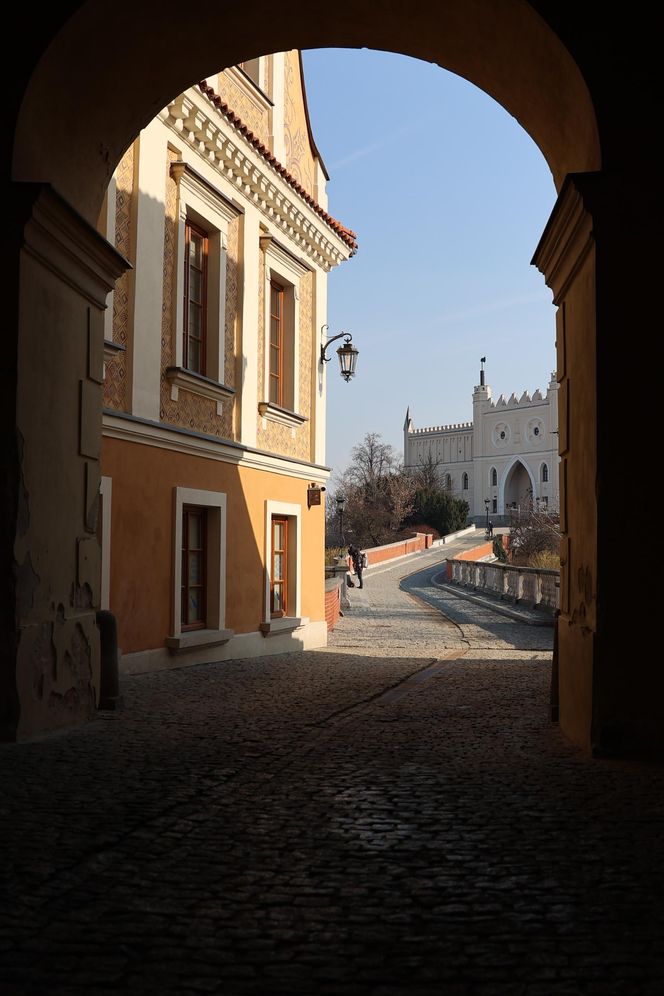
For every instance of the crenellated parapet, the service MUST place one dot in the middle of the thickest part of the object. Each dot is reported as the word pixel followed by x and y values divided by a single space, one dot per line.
pixel 432 429
pixel 526 399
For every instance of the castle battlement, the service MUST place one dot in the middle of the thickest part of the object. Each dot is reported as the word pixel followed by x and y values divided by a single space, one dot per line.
pixel 452 427
pixel 537 398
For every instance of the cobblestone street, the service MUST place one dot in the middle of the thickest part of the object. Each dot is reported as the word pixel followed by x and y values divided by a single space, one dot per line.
pixel 391 816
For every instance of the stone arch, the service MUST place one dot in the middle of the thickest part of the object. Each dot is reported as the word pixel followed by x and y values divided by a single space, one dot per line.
pixel 73 113
pixel 76 120
pixel 516 484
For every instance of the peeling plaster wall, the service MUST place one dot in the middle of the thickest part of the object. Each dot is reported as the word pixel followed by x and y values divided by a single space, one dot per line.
pixel 66 272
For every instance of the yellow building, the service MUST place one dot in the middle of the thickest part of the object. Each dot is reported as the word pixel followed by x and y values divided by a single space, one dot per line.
pixel 214 390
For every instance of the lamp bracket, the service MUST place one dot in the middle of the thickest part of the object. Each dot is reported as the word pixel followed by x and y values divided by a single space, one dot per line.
pixel 342 335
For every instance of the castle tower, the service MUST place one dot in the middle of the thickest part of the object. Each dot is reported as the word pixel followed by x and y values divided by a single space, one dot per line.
pixel 481 403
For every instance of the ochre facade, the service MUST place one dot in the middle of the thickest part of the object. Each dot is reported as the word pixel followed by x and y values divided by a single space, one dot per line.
pixel 193 430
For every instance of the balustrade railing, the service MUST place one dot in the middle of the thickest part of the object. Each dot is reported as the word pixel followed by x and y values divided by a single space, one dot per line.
pixel 537 587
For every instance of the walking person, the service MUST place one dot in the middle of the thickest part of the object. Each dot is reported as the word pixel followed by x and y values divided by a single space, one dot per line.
pixel 357 560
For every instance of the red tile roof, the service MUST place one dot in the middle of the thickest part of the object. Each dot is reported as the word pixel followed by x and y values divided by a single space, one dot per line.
pixel 345 234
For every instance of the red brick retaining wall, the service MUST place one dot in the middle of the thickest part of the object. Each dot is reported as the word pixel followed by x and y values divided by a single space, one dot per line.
pixel 332 606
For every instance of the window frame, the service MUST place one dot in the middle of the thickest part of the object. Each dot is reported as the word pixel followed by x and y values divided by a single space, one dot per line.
pixel 493 478
pixel 207 208
pixel 292 512
pixel 279 318
pixel 214 503
pixel 279 520
pixel 544 473
pixel 191 228
pixel 284 269
pixel 185 586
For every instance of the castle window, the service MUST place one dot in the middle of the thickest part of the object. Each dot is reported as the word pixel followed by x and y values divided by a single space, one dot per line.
pixel 494 477
pixel 545 473
pixel 464 480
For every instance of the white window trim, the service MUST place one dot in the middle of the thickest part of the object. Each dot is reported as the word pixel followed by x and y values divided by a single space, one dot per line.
pixel 200 204
pixel 294 512
pixel 214 633
pixel 284 269
pixel 106 492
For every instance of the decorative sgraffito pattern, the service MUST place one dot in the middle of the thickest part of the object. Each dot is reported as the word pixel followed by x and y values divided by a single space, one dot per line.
pixel 279 438
pixel 190 411
pixel 249 111
pixel 115 383
pixel 299 159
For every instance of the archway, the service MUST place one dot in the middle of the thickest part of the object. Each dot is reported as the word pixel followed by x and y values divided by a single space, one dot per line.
pixel 518 489
pixel 75 117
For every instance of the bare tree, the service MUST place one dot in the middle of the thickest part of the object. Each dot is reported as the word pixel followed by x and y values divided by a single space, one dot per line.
pixel 535 537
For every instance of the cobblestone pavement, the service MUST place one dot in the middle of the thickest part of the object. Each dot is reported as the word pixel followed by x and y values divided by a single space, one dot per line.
pixel 393 815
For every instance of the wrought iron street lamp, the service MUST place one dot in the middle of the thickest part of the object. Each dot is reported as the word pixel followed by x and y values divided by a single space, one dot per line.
pixel 341 501
pixel 486 505
pixel 347 353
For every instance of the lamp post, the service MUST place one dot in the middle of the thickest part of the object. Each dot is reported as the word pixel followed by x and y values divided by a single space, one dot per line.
pixel 486 505
pixel 341 501
pixel 347 353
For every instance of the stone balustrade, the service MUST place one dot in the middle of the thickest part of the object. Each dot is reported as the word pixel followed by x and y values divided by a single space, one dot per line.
pixel 530 585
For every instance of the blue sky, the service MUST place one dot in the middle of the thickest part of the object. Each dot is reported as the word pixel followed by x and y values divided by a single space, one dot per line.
pixel 449 197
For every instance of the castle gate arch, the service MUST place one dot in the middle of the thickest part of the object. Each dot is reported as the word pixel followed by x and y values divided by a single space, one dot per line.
pixel 75 105
pixel 518 489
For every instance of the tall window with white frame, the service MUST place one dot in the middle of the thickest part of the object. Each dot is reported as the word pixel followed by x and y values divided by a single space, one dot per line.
pixel 195 298
pixel 276 369
pixel 279 567
pixel 545 473
pixel 194 568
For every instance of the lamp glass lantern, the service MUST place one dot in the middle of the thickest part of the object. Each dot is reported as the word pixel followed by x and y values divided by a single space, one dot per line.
pixel 347 360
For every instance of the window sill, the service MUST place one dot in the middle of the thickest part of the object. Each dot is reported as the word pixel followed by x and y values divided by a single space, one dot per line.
pixel 185 380
pixel 112 349
pixel 284 416
pixel 196 639
pixel 283 624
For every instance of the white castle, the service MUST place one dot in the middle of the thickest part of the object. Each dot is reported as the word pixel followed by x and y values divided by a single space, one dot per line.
pixel 508 454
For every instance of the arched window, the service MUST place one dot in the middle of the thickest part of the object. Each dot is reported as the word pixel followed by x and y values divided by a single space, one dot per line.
pixel 545 473
pixel 447 482
pixel 494 477
pixel 464 482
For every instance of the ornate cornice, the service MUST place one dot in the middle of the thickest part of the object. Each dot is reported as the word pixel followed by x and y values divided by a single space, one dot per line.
pixel 196 119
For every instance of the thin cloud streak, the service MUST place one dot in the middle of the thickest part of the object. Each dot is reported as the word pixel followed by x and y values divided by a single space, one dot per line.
pixel 490 309
pixel 368 150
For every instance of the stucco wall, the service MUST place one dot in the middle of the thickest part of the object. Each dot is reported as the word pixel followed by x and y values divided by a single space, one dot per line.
pixel 142 538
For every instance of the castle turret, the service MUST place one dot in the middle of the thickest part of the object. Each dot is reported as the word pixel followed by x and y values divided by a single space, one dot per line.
pixel 481 402
pixel 407 429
